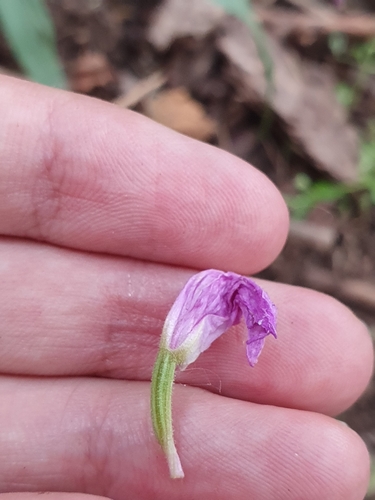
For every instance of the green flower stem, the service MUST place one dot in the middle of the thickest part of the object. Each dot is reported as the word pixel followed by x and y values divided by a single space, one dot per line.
pixel 161 408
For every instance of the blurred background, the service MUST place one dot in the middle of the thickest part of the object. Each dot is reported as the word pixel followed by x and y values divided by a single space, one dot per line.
pixel 287 85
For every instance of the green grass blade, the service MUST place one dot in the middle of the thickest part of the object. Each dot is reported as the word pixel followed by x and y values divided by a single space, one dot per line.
pixel 243 10
pixel 30 34
pixel 319 192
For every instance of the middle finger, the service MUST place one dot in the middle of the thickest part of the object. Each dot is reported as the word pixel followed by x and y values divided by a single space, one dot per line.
pixel 71 313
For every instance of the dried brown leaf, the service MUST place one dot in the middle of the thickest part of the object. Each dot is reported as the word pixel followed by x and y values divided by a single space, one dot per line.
pixel 303 98
pixel 177 110
pixel 303 94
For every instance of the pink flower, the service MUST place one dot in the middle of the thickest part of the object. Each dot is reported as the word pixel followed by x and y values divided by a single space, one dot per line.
pixel 211 302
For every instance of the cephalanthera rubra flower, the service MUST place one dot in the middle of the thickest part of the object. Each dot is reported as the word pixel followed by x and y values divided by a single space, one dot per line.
pixel 211 302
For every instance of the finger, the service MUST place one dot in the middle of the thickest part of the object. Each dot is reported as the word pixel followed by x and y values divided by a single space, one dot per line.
pixel 67 313
pixel 82 173
pixel 50 495
pixel 95 437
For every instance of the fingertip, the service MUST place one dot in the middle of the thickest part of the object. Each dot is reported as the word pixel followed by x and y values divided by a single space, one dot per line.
pixel 332 458
pixel 50 495
pixel 297 454
pixel 351 356
pixel 322 360
pixel 350 461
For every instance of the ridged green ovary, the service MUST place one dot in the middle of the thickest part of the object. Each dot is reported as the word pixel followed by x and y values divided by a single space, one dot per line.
pixel 161 408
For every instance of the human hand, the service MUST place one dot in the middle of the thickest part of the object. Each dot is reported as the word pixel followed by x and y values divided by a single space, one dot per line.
pixel 102 213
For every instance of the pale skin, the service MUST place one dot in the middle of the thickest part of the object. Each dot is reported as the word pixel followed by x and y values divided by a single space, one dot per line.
pixel 104 215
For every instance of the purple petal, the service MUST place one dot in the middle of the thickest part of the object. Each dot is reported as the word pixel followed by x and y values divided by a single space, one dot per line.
pixel 210 303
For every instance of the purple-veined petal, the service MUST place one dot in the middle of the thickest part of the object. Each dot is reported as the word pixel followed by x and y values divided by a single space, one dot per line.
pixel 210 303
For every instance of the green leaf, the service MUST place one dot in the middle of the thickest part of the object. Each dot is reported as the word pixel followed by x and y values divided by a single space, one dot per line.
pixel 302 182
pixel 319 192
pixel 364 56
pixel 242 9
pixel 371 487
pixel 345 94
pixel 367 159
pixel 338 43
pixel 30 34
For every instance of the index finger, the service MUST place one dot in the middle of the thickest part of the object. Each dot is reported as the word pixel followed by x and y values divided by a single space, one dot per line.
pixel 82 173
